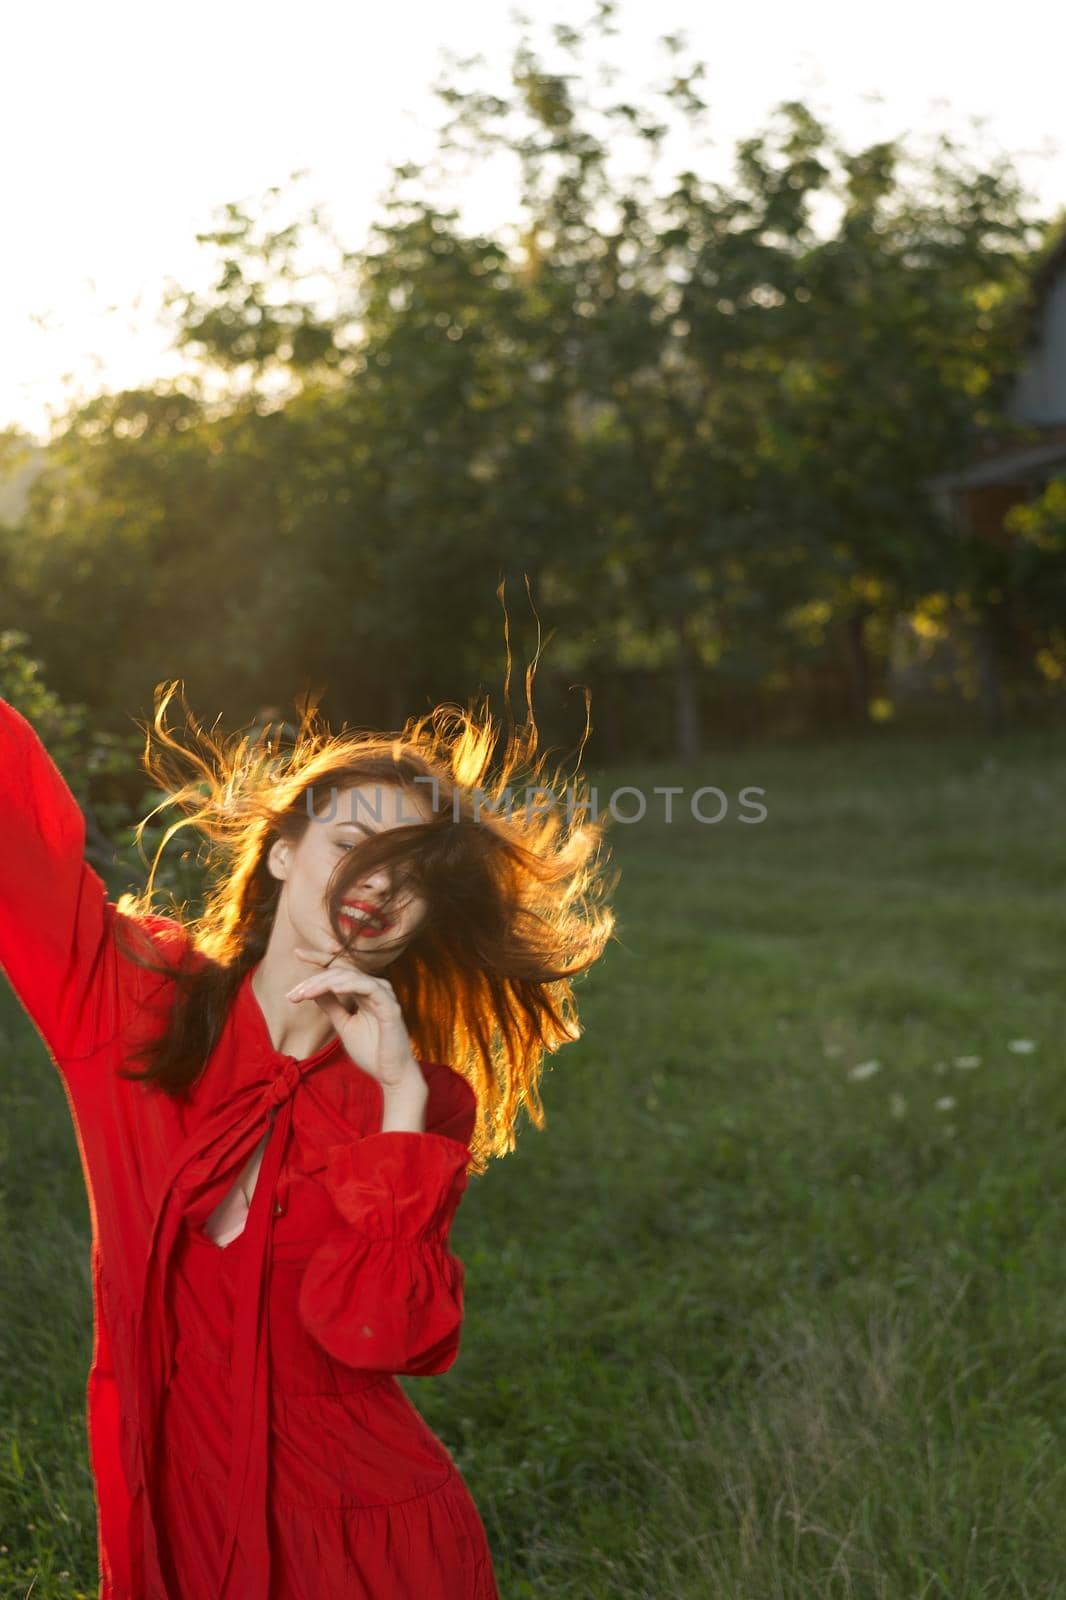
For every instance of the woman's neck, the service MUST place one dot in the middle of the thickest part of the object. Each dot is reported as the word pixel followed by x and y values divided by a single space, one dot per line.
pixel 296 1029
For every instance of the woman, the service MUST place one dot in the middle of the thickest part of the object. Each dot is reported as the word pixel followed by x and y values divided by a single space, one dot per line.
pixel 271 1194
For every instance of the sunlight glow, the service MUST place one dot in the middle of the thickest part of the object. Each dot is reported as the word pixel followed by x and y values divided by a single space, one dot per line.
pixel 133 124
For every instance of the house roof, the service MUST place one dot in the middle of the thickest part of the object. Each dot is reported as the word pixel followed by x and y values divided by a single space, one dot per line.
pixel 1033 463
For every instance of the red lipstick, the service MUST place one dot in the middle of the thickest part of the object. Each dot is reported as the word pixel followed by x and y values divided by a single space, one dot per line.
pixel 375 926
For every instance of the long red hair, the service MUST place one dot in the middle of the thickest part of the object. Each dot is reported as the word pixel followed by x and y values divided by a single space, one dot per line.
pixel 516 892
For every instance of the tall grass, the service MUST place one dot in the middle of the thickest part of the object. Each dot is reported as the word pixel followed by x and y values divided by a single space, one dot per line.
pixel 774 1306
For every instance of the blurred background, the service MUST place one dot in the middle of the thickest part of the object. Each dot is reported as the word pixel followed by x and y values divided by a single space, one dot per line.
pixel 743 344
pixel 723 354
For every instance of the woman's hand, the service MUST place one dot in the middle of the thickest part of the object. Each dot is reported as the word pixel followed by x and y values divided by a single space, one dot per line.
pixel 368 1019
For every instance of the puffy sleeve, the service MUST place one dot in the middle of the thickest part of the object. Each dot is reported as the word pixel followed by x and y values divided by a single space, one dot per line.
pixel 56 922
pixel 383 1292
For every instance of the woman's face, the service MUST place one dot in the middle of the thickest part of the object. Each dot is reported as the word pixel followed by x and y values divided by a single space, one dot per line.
pixel 342 820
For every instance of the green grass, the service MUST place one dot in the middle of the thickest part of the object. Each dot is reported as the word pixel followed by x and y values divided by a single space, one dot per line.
pixel 739 1325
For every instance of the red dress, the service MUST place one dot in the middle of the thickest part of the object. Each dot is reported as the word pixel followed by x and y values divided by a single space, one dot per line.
pixel 247 1435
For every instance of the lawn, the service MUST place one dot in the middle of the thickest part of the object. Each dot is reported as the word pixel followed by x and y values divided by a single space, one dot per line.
pixel 773 1306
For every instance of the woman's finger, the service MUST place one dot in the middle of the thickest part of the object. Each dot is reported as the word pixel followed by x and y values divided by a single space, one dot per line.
pixel 347 977
pixel 337 1012
pixel 378 1006
pixel 370 991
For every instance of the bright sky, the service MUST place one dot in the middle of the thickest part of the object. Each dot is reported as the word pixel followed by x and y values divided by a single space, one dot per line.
pixel 125 126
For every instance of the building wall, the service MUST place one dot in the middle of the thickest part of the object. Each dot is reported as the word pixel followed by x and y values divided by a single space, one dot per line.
pixel 984 509
pixel 1040 394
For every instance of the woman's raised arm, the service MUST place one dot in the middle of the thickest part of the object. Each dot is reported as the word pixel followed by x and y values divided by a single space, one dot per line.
pixel 56 923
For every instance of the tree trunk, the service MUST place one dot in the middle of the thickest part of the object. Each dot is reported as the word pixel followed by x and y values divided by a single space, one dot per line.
pixel 989 672
pixel 858 660
pixel 609 721
pixel 689 731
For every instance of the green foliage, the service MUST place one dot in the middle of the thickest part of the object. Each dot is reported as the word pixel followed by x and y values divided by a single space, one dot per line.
pixel 62 728
pixel 1036 572
pixel 697 417
pixel 104 772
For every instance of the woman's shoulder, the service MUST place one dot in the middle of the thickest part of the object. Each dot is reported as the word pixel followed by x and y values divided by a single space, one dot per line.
pixel 154 935
pixel 155 948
